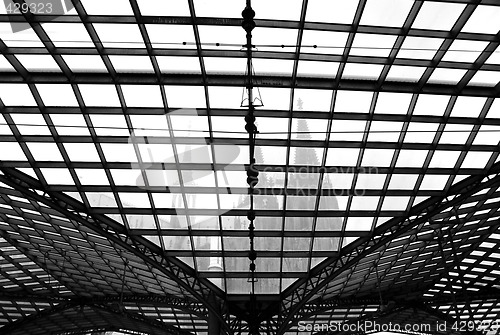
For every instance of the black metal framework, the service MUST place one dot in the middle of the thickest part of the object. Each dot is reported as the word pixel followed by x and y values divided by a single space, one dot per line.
pixel 124 156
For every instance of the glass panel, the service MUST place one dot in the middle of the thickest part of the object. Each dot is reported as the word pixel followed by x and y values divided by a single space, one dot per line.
pixel 309 129
pixel 370 181
pixel 468 106
pixel 223 65
pixel 347 130
pixel 411 158
pixel 272 39
pixel 274 10
pixel 84 63
pixel 393 103
pixel 476 160
pixel 176 96
pixel 372 45
pixel 438 15
pixel 114 7
pixel 119 35
pixel 314 68
pixel 275 98
pixel 419 47
pixel 395 203
pixel 390 13
pixel 272 66
pixel 70 124
pixel 331 11
pixel 112 125
pixel 455 134
pixel 170 64
pixel 142 95
pixel 40 63
pixel 16 95
pixel 488 135
pixel 11 151
pixel 405 73
pixel 444 159
pixel 99 95
pixel 464 51
pixel 323 42
pixel 431 104
pixel 31 124
pixel 68 35
pixel 312 100
pixel 367 203
pixel 362 71
pixel 377 157
pixel 57 94
pixel 383 131
pixel 222 37
pixel 164 8
pixel 306 156
pixel 342 157
pixel 92 176
pixel 483 20
pixel 485 78
pixel 353 102
pixel 82 152
pixel 141 64
pixel 446 76
pixel 5 65
pixel 218 8
pixel 56 176
pixel 26 38
pixel 45 151
pixel 434 182
pixel 418 132
pixel 403 181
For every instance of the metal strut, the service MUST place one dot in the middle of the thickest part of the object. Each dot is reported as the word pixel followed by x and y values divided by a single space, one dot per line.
pixel 248 25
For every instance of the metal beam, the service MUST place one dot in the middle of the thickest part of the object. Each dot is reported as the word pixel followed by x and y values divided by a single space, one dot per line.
pixel 202 289
pixel 238 81
pixel 294 298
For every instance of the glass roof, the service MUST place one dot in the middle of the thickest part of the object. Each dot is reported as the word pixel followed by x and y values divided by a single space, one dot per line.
pixel 133 110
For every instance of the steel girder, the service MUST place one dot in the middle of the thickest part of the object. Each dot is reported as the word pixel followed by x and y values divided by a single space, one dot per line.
pixel 297 295
pixel 260 80
pixel 203 290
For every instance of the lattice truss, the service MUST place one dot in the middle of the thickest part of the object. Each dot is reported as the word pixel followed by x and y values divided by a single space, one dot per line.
pixel 123 157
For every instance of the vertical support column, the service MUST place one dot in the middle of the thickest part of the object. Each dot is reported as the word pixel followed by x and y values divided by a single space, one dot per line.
pixel 213 324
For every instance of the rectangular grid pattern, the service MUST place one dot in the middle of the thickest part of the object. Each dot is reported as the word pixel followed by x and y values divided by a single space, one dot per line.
pixel 133 108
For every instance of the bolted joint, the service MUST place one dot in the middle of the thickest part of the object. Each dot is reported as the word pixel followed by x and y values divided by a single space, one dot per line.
pixel 252 267
pixel 252 255
pixel 252 175
pixel 251 215
pixel 250 126
pixel 248 23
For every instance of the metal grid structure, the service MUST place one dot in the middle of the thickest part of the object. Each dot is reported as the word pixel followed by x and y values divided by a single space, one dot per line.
pixel 123 195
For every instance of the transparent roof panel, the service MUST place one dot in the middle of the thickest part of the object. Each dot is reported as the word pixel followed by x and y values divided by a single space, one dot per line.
pixel 464 51
pixel 43 63
pixel 16 95
pixel 437 15
pixel 372 45
pixel 362 119
pixel 167 36
pixel 163 8
pixel 71 35
pixel 390 13
pixel 323 42
pixel 331 11
pixel 419 47
pixel 483 20
pixel 119 35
